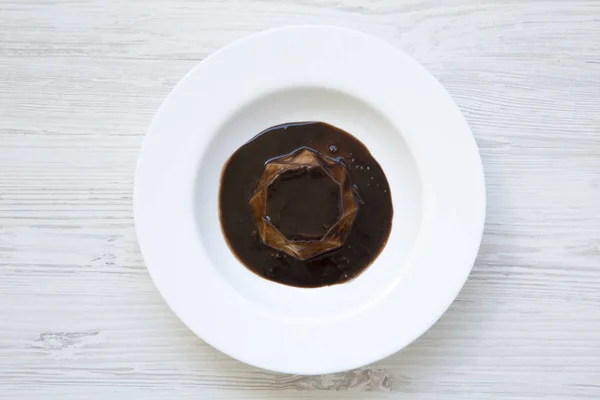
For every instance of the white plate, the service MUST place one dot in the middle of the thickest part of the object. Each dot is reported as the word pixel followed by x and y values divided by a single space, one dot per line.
pixel 411 126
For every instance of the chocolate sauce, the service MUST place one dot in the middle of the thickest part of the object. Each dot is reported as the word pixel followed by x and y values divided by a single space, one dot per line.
pixel 305 204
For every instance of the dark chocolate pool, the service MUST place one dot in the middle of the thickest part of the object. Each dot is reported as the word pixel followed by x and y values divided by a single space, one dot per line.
pixel 305 204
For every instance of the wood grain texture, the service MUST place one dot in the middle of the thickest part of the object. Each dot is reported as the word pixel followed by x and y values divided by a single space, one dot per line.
pixel 79 83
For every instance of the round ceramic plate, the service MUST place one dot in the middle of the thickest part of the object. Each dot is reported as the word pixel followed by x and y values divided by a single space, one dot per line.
pixel 363 86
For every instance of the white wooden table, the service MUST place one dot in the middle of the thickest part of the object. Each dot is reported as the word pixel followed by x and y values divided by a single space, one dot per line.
pixel 79 83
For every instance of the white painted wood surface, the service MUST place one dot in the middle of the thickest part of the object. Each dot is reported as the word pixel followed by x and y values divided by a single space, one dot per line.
pixel 79 83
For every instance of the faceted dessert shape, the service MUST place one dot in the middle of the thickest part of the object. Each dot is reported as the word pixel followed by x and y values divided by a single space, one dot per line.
pixel 316 231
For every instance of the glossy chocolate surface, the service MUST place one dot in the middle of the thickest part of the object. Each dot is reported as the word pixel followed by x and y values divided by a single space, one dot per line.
pixel 305 204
